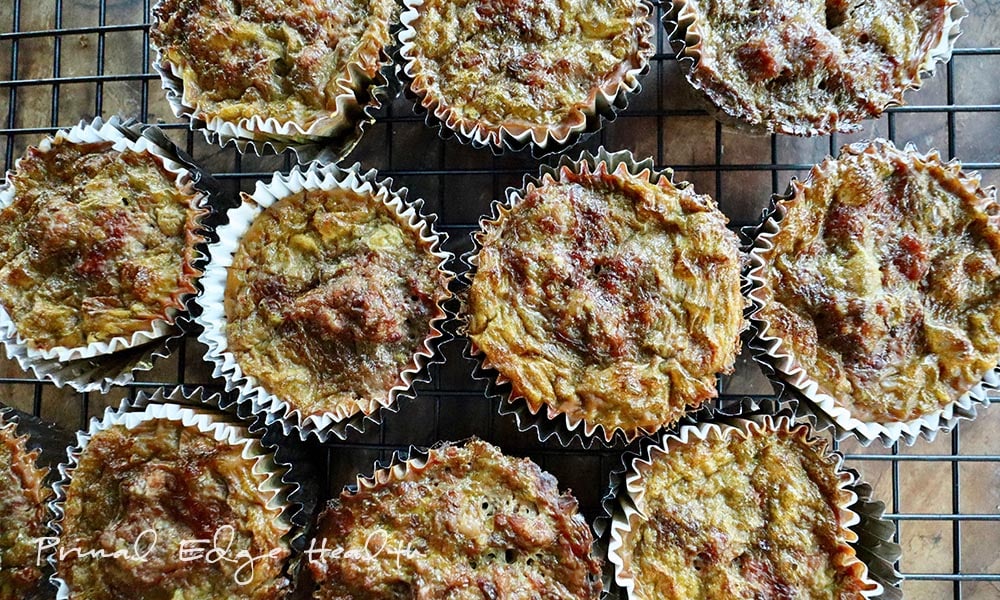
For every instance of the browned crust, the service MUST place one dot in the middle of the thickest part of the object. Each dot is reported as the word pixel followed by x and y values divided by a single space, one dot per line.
pixel 608 298
pixel 468 523
pixel 754 512
pixel 906 329
pixel 185 485
pixel 535 91
pixel 809 70
pixel 65 157
pixel 22 504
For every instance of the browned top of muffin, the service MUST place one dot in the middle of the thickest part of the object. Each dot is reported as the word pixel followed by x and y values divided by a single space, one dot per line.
pixel 812 67
pixel 184 485
pixel 281 59
pixel 22 504
pixel 609 298
pixel 884 282
pixel 96 244
pixel 525 64
pixel 758 516
pixel 470 523
pixel 329 297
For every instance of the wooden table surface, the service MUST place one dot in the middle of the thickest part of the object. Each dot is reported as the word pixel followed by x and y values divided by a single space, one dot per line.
pixel 944 496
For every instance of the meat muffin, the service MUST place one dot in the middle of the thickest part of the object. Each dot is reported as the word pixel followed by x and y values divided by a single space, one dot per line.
pixel 608 295
pixel 468 522
pixel 273 69
pixel 22 504
pixel 333 292
pixel 750 510
pixel 516 72
pixel 97 245
pixel 170 504
pixel 811 67
pixel 881 284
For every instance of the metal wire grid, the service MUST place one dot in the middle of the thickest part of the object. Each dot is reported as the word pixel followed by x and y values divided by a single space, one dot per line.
pixel 67 61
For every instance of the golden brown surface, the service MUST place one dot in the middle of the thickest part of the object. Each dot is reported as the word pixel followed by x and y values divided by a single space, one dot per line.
pixel 611 299
pixel 884 282
pixel 472 524
pixel 329 296
pixel 797 67
pixel 526 63
pixel 22 499
pixel 743 517
pixel 184 485
pixel 96 244
pixel 280 59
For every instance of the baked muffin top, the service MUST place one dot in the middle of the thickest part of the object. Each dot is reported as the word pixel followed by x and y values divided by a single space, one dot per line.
pixel 883 282
pixel 524 64
pixel 330 295
pixel 608 298
pixel 96 244
pixel 22 504
pixel 811 67
pixel 281 59
pixel 757 515
pixel 470 523
pixel 185 485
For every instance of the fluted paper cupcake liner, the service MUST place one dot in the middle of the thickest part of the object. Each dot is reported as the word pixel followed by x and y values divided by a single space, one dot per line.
pixel 191 409
pixel 328 138
pixel 545 420
pixel 604 102
pixel 680 21
pixel 870 535
pixel 270 407
pixel 782 367
pixel 99 365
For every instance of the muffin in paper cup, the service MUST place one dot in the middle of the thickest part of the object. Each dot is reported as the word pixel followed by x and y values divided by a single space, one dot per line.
pixel 876 292
pixel 306 76
pixel 101 227
pixel 778 67
pixel 324 298
pixel 514 74
pixel 170 500
pixel 454 521
pixel 606 296
pixel 745 507
pixel 24 493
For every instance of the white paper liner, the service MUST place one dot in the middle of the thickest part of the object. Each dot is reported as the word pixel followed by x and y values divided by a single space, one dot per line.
pixel 867 532
pixel 789 373
pixel 545 420
pixel 213 319
pixel 162 406
pixel 74 366
pixel 329 137
pixel 680 20
pixel 603 102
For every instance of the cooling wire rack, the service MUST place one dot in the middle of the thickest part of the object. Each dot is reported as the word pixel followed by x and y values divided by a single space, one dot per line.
pixel 62 62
